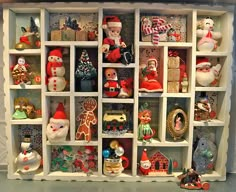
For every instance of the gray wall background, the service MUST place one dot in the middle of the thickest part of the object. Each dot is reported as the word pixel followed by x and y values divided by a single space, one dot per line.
pixel 231 163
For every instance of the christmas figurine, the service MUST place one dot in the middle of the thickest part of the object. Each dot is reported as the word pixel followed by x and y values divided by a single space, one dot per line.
pixel 20 106
pixel 30 38
pixel 206 75
pixel 58 126
pixel 203 109
pixel 21 73
pixel 173 36
pixel 184 83
pixel 204 156
pixel 114 47
pixel 56 71
pixel 145 163
pixel 207 34
pixel 126 88
pixel 149 82
pixel 191 179
pixel 145 132
pixel 111 86
pixel 86 118
pixel 86 71
pixel 28 161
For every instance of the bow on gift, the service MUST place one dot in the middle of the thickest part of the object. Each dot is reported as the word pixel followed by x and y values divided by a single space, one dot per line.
pixel 155 27
pixel 172 53
pixel 127 84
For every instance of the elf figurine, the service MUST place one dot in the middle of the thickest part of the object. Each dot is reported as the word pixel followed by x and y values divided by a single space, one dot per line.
pixel 21 72
pixel 145 132
pixel 114 46
pixel 86 118
pixel 56 71
pixel 111 87
pixel 206 75
pixel 149 82
pixel 58 126
pixel 145 163
pixel 207 34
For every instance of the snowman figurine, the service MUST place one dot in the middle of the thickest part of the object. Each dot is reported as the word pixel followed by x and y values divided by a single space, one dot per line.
pixel 207 35
pixel 28 161
pixel 56 71
pixel 58 126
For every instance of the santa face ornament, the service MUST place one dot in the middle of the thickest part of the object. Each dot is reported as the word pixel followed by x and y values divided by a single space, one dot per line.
pixel 58 126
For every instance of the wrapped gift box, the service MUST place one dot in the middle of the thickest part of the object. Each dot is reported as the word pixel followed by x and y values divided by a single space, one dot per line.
pixel 81 36
pixel 173 74
pixel 173 87
pixel 173 62
pixel 63 35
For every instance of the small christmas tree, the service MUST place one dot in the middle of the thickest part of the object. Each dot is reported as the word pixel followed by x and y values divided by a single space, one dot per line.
pixel 85 69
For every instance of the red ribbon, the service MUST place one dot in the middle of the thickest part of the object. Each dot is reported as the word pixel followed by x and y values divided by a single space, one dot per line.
pixel 172 53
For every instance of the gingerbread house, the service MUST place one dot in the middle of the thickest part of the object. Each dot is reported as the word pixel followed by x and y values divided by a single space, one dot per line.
pixel 159 162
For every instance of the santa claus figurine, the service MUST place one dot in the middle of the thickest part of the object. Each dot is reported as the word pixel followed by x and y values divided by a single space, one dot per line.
pixel 111 87
pixel 145 163
pixel 114 47
pixel 56 71
pixel 58 126
pixel 149 82
pixel 208 37
pixel 206 75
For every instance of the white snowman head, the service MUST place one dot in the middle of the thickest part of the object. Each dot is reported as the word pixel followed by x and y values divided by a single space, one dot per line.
pixel 207 24
pixel 55 55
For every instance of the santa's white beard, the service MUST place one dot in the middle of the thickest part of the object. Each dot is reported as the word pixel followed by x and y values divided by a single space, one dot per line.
pixel 205 78
pixel 58 135
pixel 116 39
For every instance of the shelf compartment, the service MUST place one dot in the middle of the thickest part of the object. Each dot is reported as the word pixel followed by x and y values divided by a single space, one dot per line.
pixel 19 133
pixel 56 108
pixel 118 83
pixel 113 149
pixel 73 160
pixel 59 77
pixel 165 161
pixel 182 31
pixel 26 105
pixel 217 105
pixel 178 132
pixel 118 120
pixel 85 119
pixel 214 78
pixel 18 20
pixel 221 24
pixel 151 77
pixel 86 70
pixel 72 26
pixel 208 139
pixel 150 107
pixel 25 71
pixel 75 143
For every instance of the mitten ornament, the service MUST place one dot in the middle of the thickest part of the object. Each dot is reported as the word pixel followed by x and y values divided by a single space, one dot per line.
pixel 56 71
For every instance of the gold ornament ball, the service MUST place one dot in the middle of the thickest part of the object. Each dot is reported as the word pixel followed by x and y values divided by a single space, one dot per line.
pixel 114 144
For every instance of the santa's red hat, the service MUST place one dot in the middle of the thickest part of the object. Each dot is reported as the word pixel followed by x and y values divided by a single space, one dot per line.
pixel 152 59
pixel 111 21
pixel 202 61
pixel 56 52
pixel 144 156
pixel 60 112
pixel 60 115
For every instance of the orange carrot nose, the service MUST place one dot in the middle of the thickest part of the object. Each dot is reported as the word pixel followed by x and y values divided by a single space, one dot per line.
pixel 54 129
pixel 24 152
